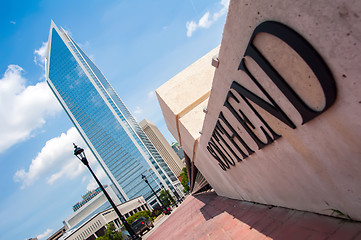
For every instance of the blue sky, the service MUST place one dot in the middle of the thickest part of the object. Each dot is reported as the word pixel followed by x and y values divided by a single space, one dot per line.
pixel 138 45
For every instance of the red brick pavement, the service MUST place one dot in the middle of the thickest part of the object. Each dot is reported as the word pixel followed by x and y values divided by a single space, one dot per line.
pixel 208 216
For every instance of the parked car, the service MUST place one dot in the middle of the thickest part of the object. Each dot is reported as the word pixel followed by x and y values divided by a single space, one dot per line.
pixel 167 210
pixel 142 224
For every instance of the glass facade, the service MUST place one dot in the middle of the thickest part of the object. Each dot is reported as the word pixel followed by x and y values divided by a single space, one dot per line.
pixel 107 126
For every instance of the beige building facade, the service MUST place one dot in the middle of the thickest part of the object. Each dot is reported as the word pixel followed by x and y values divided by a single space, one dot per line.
pixel 183 100
pixel 162 145
pixel 58 234
pixel 88 208
pixel 92 225
pixel 280 125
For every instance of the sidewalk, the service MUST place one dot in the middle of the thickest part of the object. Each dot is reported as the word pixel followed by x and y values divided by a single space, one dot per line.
pixel 208 216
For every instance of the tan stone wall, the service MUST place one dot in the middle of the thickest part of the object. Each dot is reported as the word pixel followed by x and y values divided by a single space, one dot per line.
pixel 183 98
pixel 316 166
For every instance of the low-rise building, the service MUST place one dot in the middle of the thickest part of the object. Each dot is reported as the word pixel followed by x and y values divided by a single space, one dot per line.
pixel 87 197
pixel 58 234
pixel 93 224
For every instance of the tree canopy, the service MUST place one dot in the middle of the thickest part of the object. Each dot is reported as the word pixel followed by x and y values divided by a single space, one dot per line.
pixel 146 214
pixel 110 233
pixel 184 182
pixel 166 198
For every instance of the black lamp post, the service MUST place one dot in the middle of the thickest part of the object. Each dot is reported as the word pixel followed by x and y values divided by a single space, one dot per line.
pixel 161 203
pixel 79 153
pixel 177 196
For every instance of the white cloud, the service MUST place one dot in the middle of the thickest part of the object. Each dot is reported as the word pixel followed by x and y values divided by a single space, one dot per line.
pixel 45 234
pixel 191 27
pixel 151 95
pixel 22 108
pixel 223 11
pixel 99 172
pixel 55 177
pixel 92 57
pixel 84 179
pixel 55 160
pixel 138 111
pixel 207 19
pixel 84 45
pixel 13 22
pixel 40 54
pixel 205 22
pixel 91 185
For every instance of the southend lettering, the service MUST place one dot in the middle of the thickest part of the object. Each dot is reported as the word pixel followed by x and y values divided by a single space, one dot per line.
pixel 222 145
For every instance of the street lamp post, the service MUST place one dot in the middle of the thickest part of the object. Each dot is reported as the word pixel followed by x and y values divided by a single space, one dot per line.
pixel 161 203
pixel 151 174
pixel 79 153
pixel 176 195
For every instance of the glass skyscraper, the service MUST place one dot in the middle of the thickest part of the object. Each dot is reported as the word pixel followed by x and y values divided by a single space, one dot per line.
pixel 109 129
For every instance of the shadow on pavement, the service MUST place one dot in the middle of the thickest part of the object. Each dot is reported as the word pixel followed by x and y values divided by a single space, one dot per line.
pixel 274 222
pixel 207 216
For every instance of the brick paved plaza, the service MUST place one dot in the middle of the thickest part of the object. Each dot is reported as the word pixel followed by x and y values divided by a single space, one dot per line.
pixel 208 216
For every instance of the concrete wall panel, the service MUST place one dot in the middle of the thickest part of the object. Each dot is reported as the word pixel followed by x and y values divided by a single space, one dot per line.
pixel 316 166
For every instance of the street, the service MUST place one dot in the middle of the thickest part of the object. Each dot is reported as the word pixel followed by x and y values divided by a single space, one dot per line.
pixel 158 222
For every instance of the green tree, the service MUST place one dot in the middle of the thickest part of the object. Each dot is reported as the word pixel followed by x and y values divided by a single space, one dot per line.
pixel 110 233
pixel 166 198
pixel 184 177
pixel 146 214
pixel 156 212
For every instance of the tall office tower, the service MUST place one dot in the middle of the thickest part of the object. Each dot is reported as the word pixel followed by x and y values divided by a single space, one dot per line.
pixel 104 122
pixel 163 147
